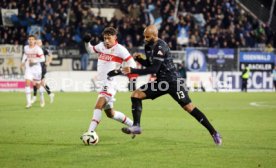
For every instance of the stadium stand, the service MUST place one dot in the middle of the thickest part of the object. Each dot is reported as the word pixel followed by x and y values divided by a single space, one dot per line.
pixel 199 23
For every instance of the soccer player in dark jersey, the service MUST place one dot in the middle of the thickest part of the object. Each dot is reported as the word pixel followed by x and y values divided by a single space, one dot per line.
pixel 158 60
pixel 48 59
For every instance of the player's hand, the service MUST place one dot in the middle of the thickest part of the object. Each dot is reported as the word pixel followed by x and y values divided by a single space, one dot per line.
pixel 126 70
pixel 114 73
pixel 139 55
pixel 22 66
pixel 86 38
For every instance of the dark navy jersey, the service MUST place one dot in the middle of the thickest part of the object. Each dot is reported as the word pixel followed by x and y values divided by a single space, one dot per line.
pixel 161 51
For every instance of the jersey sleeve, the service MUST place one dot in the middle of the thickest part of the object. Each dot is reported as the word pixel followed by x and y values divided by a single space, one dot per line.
pixel 124 54
pixel 127 57
pixel 92 49
pixel 131 63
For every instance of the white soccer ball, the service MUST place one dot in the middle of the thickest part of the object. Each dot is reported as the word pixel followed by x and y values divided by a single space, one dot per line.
pixel 90 138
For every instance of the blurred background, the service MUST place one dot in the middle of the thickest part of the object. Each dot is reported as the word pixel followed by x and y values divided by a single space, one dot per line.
pixel 211 40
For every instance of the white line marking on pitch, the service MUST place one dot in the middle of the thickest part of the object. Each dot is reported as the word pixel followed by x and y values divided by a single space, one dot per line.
pixel 261 104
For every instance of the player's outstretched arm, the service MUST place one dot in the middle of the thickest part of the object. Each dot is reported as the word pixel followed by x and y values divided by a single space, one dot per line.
pixel 86 38
pixel 149 70
pixel 89 48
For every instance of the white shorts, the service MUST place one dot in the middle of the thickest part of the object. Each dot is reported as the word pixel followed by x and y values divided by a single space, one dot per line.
pixel 108 91
pixel 33 74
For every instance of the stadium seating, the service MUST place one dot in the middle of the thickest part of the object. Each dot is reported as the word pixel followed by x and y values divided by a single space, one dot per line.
pixel 205 23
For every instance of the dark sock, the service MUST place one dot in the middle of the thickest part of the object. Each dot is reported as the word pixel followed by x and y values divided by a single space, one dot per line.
pixel 47 89
pixel 35 90
pixel 136 110
pixel 200 117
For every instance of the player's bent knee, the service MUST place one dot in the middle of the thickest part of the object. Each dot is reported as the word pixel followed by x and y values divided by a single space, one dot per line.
pixel 138 94
pixel 189 107
pixel 109 113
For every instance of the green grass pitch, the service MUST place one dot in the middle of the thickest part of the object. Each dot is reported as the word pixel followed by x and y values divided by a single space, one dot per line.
pixel 49 136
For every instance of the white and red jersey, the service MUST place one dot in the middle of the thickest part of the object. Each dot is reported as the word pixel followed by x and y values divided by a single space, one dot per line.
pixel 110 58
pixel 35 54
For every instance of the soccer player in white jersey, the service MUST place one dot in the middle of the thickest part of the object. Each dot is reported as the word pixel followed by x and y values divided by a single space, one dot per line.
pixel 32 57
pixel 44 65
pixel 111 55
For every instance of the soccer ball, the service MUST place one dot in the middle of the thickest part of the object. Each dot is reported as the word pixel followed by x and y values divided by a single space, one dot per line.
pixel 90 138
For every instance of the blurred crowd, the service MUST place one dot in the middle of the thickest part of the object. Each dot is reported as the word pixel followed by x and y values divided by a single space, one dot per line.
pixel 197 23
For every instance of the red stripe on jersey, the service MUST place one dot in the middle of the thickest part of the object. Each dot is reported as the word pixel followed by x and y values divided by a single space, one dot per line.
pixel 37 55
pixel 105 93
pixel 109 57
pixel 128 58
pixel 95 49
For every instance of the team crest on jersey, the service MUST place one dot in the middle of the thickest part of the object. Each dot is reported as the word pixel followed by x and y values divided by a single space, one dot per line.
pixel 160 52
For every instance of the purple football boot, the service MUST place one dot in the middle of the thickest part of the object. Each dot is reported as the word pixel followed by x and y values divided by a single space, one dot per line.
pixel 132 130
pixel 217 138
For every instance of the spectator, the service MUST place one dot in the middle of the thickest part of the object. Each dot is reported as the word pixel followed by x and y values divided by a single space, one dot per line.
pixel 84 57
pixel 207 23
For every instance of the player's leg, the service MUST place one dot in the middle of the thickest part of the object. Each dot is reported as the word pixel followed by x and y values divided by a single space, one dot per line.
pixel 136 99
pixel 35 93
pixel 118 116
pixel 28 92
pixel 28 79
pixel 178 92
pixel 109 92
pixel 147 91
pixel 37 82
pixel 41 94
pixel 97 113
pixel 245 85
pixel 202 119
pixel 48 90
pixel 241 84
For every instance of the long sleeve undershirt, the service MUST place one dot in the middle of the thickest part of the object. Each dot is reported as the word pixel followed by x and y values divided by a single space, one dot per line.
pixel 154 68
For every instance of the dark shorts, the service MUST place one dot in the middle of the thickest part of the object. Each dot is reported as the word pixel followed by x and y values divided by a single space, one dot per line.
pixel 174 88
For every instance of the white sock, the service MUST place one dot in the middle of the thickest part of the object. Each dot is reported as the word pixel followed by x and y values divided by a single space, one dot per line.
pixel 119 116
pixel 97 116
pixel 28 94
pixel 41 91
